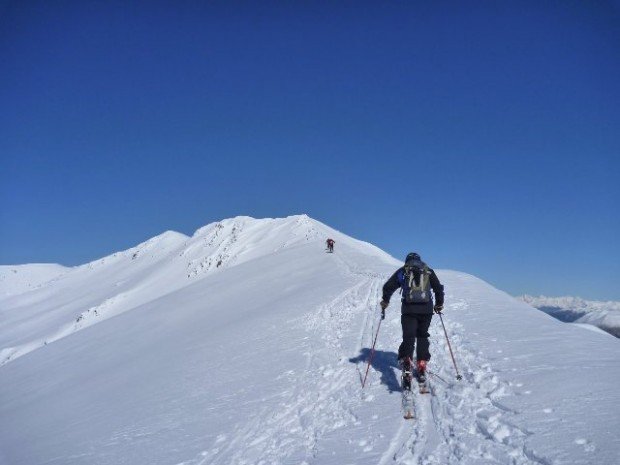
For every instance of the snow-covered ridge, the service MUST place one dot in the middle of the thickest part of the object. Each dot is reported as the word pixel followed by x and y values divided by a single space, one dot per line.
pixel 602 314
pixel 163 264
pixel 245 343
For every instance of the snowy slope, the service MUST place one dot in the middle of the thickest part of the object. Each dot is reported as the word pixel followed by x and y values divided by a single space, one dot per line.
pixel 604 315
pixel 96 291
pixel 15 279
pixel 258 360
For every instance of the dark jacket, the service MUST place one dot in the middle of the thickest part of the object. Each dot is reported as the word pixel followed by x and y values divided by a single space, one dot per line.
pixel 392 284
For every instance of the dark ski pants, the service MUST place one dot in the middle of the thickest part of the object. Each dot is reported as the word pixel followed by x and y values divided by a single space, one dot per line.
pixel 415 325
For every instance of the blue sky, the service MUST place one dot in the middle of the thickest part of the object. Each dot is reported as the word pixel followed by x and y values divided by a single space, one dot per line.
pixel 485 136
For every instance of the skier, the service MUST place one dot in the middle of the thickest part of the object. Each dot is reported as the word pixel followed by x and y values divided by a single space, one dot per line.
pixel 330 245
pixel 415 279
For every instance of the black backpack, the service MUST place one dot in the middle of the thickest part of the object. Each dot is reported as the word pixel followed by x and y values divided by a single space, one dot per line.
pixel 415 282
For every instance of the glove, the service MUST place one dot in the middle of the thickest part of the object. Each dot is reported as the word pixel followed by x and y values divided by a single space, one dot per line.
pixel 438 309
pixel 384 305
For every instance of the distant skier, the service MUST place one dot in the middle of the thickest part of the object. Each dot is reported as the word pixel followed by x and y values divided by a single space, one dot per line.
pixel 416 280
pixel 330 245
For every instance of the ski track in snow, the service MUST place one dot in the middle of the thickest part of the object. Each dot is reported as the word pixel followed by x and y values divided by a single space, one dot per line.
pixel 464 420
pixel 461 421
pixel 315 405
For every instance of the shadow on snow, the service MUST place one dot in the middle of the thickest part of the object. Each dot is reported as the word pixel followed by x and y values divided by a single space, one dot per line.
pixel 384 362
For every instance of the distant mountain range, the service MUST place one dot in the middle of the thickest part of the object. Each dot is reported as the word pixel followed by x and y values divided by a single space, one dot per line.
pixel 604 315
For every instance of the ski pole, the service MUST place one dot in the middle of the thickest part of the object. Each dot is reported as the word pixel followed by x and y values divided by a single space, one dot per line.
pixel 439 377
pixel 372 353
pixel 458 376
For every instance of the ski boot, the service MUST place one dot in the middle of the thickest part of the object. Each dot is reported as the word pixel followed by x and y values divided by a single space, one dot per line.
pixel 421 369
pixel 421 377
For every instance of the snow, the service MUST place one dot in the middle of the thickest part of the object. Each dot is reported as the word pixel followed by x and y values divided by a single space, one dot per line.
pixel 15 279
pixel 246 343
pixel 604 315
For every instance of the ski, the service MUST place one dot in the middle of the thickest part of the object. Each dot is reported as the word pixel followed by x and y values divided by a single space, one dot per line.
pixel 407 396
pixel 423 387
pixel 408 404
